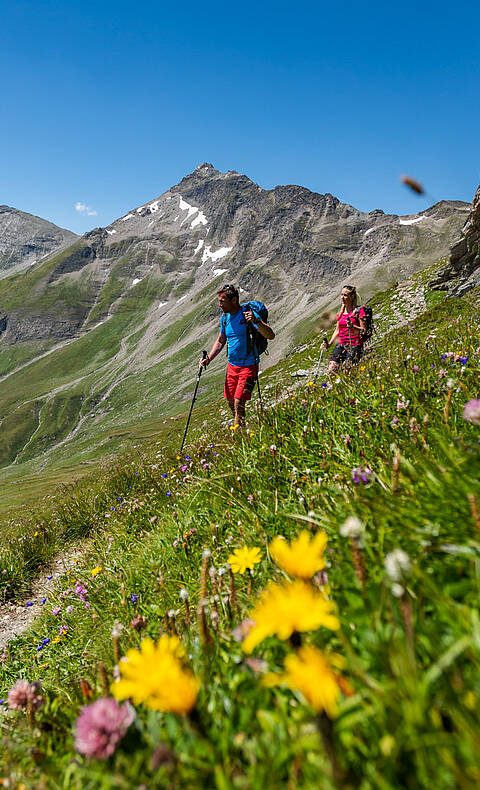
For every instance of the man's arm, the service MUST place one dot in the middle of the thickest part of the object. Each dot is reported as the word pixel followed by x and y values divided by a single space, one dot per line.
pixel 264 329
pixel 215 349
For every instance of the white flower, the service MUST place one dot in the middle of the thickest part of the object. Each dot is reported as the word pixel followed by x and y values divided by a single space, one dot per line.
pixel 397 565
pixel 117 630
pixel 397 590
pixel 184 594
pixel 450 384
pixel 351 528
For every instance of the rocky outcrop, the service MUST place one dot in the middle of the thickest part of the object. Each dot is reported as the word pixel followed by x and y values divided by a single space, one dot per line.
pixel 24 239
pixel 462 272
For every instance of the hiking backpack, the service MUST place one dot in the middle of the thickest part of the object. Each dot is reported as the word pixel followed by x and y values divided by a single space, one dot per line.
pixel 254 338
pixel 370 328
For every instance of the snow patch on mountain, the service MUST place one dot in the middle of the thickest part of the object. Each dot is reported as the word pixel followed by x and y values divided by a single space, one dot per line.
pixel 215 256
pixel 199 246
pixel 199 220
pixel 411 221
pixel 218 272
pixel 128 216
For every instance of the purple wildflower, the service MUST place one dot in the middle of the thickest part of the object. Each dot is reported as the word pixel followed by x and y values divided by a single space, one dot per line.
pixel 134 597
pixel 415 368
pixel 22 693
pixel 169 493
pixel 164 474
pixel 56 610
pixel 471 411
pixel 29 603
pixel 362 475
pixel 101 726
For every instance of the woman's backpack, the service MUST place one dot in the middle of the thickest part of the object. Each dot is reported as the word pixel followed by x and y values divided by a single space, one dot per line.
pixel 370 327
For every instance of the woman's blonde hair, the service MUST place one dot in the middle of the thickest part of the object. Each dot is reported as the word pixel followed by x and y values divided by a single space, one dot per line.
pixel 353 291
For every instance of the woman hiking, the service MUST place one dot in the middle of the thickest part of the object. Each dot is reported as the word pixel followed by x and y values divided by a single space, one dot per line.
pixel 351 326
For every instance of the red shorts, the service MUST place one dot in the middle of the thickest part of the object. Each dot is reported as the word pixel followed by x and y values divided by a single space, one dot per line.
pixel 240 381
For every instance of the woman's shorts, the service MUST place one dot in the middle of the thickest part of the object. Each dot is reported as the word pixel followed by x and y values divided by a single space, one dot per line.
pixel 240 381
pixel 349 354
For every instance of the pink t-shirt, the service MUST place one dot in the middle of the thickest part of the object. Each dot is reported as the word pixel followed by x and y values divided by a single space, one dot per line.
pixel 344 336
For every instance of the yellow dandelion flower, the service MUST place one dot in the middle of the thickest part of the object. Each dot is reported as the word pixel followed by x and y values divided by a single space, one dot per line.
pixel 310 384
pixel 35 534
pixel 244 558
pixel 285 608
pixel 303 557
pixel 95 571
pixel 154 675
pixel 310 672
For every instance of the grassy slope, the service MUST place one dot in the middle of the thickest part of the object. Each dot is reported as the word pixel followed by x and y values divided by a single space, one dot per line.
pixel 412 662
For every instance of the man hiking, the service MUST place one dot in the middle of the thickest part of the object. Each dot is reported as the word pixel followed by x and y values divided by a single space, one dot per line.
pixel 243 357
pixel 350 330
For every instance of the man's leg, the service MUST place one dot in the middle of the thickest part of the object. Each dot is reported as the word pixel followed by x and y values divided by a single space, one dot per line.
pixel 239 412
pixel 232 405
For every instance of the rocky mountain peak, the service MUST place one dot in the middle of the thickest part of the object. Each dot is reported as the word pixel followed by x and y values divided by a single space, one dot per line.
pixel 25 238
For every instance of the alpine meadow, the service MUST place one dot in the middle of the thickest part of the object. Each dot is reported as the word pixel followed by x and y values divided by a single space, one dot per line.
pixel 289 604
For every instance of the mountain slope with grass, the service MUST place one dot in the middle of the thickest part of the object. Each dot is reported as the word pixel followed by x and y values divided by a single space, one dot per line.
pixel 346 655
pixel 98 343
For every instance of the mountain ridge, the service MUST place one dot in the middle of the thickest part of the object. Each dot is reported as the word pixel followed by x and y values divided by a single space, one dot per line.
pixel 25 238
pixel 107 331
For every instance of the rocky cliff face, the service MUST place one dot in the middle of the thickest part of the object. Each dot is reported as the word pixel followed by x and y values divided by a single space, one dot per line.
pixel 463 270
pixel 24 239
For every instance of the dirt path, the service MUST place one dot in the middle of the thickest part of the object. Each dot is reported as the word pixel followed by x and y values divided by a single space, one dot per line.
pixel 16 617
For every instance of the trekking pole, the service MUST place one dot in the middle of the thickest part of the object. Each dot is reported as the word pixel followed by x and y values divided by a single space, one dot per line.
pixel 257 365
pixel 200 369
pixel 318 366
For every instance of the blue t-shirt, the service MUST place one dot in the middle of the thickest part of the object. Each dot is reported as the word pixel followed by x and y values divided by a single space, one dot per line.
pixel 234 327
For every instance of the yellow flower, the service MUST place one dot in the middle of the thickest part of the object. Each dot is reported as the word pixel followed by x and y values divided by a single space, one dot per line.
pixel 244 558
pixel 96 571
pixel 310 672
pixel 362 367
pixel 303 557
pixel 154 675
pixel 35 534
pixel 285 608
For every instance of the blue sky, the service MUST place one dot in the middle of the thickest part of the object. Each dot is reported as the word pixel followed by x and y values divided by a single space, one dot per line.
pixel 107 104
